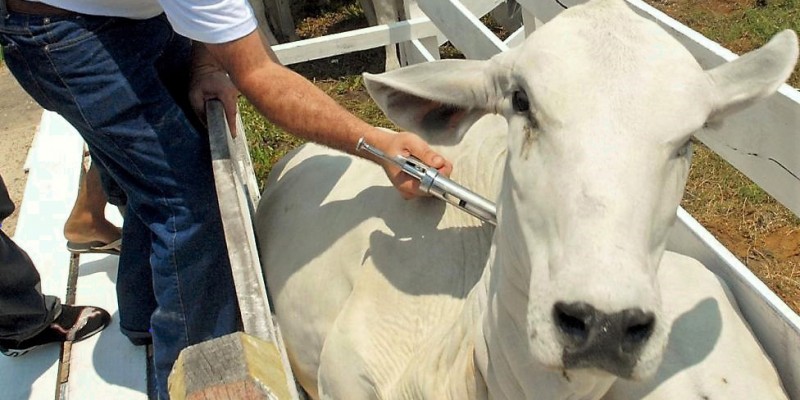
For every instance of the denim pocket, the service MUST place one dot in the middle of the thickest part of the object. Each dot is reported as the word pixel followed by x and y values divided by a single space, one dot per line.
pixel 9 46
pixel 67 32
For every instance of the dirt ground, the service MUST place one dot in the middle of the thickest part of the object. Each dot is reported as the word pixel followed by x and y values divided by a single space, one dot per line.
pixel 19 118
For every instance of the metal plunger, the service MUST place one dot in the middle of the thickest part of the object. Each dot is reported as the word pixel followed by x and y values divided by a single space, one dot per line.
pixel 440 186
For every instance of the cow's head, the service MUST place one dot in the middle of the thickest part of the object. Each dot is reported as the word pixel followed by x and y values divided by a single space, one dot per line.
pixel 601 105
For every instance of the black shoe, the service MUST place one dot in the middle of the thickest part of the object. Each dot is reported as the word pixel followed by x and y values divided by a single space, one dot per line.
pixel 74 324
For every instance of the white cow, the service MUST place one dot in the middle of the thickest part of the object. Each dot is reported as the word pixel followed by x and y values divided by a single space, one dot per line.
pixel 581 134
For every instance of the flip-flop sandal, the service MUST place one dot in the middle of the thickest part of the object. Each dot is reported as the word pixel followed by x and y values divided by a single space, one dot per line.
pixel 95 247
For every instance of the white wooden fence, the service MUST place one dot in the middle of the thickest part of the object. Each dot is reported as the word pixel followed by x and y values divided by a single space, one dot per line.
pixel 763 142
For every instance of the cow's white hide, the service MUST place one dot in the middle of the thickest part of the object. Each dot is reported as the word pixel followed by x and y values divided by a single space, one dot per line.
pixel 582 137
pixel 711 353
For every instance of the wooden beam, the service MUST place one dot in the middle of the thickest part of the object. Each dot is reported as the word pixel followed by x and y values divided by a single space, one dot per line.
pixel 463 28
pixel 352 41
pixel 230 162
pixel 236 367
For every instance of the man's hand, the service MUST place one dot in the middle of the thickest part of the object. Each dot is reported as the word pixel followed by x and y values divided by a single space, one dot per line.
pixel 408 144
pixel 208 82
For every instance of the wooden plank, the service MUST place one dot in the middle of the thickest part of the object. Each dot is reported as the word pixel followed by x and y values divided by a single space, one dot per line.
pixel 418 50
pixel 105 366
pixel 280 14
pixel 465 31
pixel 239 234
pixel 774 323
pixel 372 37
pixel 236 367
pixel 516 38
pixel 415 52
pixel 237 224
pixel 52 185
pixel 545 10
pixel 352 41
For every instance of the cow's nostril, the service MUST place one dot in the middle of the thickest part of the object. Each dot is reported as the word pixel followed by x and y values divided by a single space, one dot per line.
pixel 595 339
pixel 640 326
pixel 573 320
pixel 640 332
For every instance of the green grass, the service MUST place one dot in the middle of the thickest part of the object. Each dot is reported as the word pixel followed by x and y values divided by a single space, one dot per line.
pixel 269 143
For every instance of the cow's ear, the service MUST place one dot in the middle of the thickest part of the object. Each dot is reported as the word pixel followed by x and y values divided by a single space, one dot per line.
pixel 437 100
pixel 754 75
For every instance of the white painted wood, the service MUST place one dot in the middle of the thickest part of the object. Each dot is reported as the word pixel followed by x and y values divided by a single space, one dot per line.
pixel 478 7
pixel 516 38
pixel 415 52
pixel 352 41
pixel 375 36
pixel 418 50
pixel 54 162
pixel 107 365
pixel 545 10
pixel 529 21
pixel 774 323
pixel 466 32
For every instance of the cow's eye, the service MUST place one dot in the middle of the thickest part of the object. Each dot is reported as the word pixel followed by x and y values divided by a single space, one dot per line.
pixel 519 100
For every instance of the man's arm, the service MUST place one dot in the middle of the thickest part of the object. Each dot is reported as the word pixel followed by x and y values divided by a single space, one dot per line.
pixel 294 103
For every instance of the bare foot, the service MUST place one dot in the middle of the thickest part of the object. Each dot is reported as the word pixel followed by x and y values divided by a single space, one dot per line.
pixel 86 229
pixel 87 222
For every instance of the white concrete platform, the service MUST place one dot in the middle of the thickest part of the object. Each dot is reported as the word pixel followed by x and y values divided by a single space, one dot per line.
pixel 105 366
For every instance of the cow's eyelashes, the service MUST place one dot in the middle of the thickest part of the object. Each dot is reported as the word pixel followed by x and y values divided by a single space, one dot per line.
pixel 519 100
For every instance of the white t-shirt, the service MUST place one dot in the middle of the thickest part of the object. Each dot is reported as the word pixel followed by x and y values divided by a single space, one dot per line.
pixel 207 21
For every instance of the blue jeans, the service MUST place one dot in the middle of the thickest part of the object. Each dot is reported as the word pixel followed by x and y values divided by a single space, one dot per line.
pixel 123 85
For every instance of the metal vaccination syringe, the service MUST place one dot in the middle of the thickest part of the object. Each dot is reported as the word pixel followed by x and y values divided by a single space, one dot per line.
pixel 431 182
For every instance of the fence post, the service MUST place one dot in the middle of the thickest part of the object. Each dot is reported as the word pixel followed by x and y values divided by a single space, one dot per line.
pixel 253 364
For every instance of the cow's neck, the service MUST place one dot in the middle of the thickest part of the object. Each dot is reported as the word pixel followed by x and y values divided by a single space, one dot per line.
pixel 504 357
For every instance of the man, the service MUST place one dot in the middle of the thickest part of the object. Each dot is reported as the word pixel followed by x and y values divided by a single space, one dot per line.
pixel 29 319
pixel 121 81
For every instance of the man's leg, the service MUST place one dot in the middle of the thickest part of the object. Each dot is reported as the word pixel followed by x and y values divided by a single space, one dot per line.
pixel 24 311
pixel 87 228
pixel 29 319
pixel 103 76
